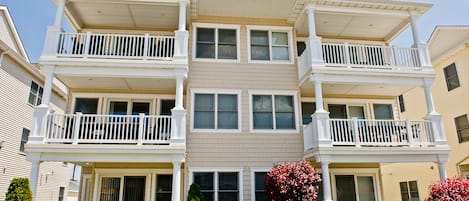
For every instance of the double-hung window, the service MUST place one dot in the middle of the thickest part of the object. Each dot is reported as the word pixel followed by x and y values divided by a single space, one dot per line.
pixel 35 94
pixel 451 77
pixel 270 44
pixel 216 110
pixel 462 128
pixel 409 191
pixel 273 112
pixel 216 42
pixel 219 186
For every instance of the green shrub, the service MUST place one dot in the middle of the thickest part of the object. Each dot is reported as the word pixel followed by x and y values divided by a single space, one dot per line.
pixel 19 190
pixel 194 193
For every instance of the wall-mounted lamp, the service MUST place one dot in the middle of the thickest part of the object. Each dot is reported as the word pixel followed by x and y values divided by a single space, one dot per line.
pixel 1 144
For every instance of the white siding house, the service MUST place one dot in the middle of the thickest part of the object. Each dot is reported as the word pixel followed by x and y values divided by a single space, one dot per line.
pixel 20 90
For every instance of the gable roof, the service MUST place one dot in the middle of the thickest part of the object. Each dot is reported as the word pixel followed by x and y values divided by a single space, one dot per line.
pixel 13 40
pixel 447 40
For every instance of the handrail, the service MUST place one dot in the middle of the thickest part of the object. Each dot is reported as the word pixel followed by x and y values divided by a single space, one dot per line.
pixel 366 132
pixel 97 45
pixel 92 128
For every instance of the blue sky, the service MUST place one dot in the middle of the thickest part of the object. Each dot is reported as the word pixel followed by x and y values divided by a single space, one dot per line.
pixel 32 17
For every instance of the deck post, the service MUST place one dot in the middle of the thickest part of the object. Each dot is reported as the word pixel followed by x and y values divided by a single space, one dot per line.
pixel 326 183
pixel 314 42
pixel 141 125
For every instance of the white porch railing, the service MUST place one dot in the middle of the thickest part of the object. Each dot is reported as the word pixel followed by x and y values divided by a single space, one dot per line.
pixel 119 129
pixel 304 63
pixel 91 45
pixel 369 56
pixel 364 132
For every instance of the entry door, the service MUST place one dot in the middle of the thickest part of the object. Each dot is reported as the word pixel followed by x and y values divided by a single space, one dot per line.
pixel 354 188
pixel 337 111
pixel 134 188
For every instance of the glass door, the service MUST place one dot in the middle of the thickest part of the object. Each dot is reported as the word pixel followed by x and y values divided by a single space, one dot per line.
pixel 355 188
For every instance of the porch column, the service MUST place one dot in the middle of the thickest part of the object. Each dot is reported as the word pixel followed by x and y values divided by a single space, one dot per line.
pixel 433 116
pixel 442 170
pixel 34 176
pixel 314 42
pixel 318 96
pixel 49 75
pixel 181 35
pixel 424 56
pixel 176 192
pixel 326 183
pixel 427 86
pixel 59 14
pixel 179 92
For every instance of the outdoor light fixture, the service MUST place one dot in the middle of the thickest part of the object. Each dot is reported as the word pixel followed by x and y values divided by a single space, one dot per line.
pixel 1 144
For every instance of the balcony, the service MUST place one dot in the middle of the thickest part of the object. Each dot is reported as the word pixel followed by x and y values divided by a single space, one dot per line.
pixel 361 132
pixel 116 46
pixel 108 129
pixel 361 57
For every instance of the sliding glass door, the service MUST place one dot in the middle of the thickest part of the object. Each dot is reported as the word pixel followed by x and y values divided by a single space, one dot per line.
pixel 355 188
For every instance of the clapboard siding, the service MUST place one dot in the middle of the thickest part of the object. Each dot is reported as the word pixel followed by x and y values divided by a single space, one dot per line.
pixel 16 114
pixel 244 149
pixel 6 35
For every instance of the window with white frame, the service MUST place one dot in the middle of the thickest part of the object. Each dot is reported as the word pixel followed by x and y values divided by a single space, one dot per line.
pixel 132 188
pixel 355 187
pixel 409 191
pixel 24 138
pixel 164 187
pixel 270 44
pixel 462 128
pixel 218 42
pixel 35 94
pixel 219 186
pixel 216 111
pixel 273 112
pixel 259 186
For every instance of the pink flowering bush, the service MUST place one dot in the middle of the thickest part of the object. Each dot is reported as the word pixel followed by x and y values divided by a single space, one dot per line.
pixel 452 189
pixel 296 181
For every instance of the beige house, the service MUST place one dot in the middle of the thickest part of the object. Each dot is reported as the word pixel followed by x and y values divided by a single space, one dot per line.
pixel 448 46
pixel 167 93
pixel 21 88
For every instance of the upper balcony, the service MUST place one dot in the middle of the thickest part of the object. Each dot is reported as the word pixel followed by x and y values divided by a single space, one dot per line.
pixel 348 43
pixel 114 35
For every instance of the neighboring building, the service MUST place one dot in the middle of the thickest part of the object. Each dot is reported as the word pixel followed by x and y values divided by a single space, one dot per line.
pixel 21 88
pixel 167 93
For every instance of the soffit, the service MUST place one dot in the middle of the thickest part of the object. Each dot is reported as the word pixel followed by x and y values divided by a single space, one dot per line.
pixel 445 39
pixel 90 14
pixel 117 83
pixel 351 89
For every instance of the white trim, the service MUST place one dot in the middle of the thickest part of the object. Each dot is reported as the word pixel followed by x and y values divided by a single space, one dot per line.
pixel 194 91
pixel 216 27
pixel 273 93
pixel 271 29
pixel 215 171
pixel 84 179
pixel 253 180
pixel 373 172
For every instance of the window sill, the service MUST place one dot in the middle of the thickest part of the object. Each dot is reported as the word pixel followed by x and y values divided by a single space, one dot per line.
pixel 270 62
pixel 274 131
pixel 215 131
pixel 217 60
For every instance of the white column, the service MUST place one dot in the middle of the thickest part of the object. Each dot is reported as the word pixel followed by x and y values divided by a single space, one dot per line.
pixel 442 170
pixel 179 92
pixel 318 96
pixel 326 183
pixel 49 74
pixel 429 100
pixel 311 22
pixel 314 45
pixel 176 194
pixel 414 27
pixel 182 15
pixel 59 13
pixel 34 176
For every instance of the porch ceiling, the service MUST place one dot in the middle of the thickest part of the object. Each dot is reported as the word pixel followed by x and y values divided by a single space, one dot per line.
pixel 354 26
pixel 279 9
pixel 86 14
pixel 357 89
pixel 117 83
